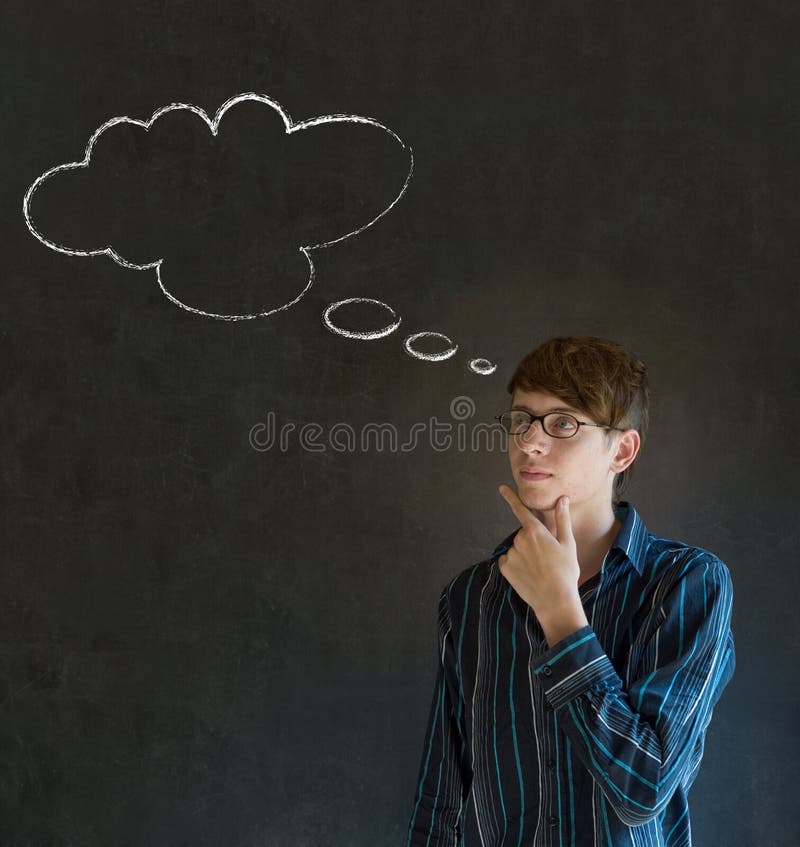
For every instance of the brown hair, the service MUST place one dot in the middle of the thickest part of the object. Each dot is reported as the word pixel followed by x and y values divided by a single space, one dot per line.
pixel 595 375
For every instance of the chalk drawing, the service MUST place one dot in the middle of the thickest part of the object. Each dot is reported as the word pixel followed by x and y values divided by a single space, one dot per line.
pixel 213 126
pixel 365 335
pixel 429 357
pixel 482 366
pixel 479 365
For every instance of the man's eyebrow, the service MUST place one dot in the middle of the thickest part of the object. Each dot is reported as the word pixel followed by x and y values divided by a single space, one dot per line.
pixel 524 408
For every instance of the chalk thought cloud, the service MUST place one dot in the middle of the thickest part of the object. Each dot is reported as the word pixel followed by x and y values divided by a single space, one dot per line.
pixel 226 210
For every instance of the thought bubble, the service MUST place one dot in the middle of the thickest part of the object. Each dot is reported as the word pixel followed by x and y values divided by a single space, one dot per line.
pixel 222 208
pixel 227 210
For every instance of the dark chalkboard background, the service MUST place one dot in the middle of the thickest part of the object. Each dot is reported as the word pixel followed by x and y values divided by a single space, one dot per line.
pixel 206 644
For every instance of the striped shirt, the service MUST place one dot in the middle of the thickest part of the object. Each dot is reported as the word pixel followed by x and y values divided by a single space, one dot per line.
pixel 594 741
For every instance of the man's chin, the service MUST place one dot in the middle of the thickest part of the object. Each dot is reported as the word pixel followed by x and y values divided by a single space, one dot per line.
pixel 537 502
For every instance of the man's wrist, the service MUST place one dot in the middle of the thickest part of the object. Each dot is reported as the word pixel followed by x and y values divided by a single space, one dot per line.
pixel 557 622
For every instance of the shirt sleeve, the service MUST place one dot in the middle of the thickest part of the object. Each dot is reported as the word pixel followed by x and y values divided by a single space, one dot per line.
pixel 641 743
pixel 445 775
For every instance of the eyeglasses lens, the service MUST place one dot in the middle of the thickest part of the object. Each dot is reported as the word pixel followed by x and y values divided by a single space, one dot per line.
pixel 556 424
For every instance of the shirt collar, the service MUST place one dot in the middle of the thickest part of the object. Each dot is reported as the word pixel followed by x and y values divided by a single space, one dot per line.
pixel 631 540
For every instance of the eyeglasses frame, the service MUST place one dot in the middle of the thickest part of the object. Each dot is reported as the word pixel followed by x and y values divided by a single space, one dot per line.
pixel 541 418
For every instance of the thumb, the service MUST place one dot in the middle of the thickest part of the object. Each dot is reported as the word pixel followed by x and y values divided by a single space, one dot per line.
pixel 564 522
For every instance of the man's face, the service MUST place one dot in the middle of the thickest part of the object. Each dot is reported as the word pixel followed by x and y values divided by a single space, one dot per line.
pixel 580 467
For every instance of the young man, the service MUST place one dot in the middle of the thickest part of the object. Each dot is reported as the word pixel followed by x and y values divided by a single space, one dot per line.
pixel 580 663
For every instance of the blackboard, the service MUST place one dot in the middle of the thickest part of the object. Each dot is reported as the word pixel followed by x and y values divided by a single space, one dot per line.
pixel 218 619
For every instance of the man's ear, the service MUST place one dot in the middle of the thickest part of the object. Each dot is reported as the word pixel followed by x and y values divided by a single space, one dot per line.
pixel 627 448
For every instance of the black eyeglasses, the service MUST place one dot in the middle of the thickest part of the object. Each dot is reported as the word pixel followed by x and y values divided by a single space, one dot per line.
pixel 555 424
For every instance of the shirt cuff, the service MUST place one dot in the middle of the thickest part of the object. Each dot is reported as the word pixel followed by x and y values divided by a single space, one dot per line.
pixel 573 666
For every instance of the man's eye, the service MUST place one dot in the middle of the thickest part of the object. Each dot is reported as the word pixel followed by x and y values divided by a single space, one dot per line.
pixel 567 424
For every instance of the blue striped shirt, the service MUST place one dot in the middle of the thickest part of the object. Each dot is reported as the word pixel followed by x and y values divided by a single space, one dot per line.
pixel 595 740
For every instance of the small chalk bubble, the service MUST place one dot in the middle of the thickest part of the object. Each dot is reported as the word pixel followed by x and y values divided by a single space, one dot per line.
pixel 429 357
pixel 482 366
pixel 364 335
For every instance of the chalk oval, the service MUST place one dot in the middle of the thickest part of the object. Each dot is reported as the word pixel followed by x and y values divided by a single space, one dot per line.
pixel 360 335
pixel 482 366
pixel 429 357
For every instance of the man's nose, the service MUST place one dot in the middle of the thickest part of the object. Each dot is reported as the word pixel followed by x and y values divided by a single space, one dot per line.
pixel 534 437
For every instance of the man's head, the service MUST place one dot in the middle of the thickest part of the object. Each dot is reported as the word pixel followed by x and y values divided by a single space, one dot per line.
pixel 601 381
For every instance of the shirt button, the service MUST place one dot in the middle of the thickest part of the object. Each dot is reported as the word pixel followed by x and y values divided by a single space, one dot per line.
pixel 551 764
pixel 548 707
pixel 547 670
pixel 553 820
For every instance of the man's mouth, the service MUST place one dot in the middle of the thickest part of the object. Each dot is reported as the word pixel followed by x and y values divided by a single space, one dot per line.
pixel 532 475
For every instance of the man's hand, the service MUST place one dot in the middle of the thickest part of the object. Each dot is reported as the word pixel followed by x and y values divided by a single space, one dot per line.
pixel 543 569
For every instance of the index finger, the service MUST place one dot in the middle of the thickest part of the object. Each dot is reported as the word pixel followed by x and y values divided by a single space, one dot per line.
pixel 523 513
